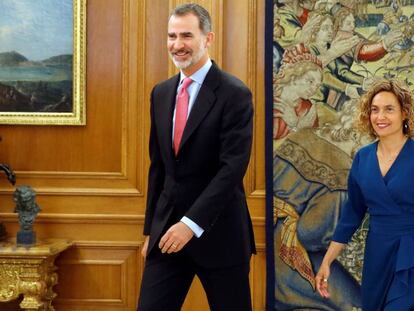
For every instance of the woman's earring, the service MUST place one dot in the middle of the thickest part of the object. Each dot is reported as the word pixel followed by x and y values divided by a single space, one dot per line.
pixel 405 124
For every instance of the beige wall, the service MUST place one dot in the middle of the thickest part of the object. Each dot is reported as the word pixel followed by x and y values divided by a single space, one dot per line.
pixel 91 180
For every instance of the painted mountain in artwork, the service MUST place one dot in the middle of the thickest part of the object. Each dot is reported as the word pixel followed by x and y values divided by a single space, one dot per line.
pixel 12 59
pixel 15 59
pixel 65 59
pixel 38 86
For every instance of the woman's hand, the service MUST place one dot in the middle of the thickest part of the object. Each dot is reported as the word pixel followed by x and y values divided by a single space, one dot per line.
pixel 321 280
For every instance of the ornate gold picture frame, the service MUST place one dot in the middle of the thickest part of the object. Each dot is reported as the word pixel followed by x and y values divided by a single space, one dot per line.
pixel 43 62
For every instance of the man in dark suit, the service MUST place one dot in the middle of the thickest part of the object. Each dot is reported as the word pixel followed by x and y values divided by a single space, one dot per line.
pixel 197 221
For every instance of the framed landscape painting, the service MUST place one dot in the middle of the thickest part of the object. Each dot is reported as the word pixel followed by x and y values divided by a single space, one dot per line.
pixel 42 62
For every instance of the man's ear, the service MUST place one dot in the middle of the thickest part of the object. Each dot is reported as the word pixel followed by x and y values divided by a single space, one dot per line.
pixel 210 38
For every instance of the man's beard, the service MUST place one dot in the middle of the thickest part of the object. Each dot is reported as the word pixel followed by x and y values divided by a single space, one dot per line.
pixel 194 59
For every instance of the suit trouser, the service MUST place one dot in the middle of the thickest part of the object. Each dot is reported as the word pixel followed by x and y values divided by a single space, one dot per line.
pixel 167 279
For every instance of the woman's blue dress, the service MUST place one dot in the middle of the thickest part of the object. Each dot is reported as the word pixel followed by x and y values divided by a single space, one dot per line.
pixel 388 273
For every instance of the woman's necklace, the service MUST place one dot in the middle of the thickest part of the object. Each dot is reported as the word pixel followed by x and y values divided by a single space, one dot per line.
pixel 391 156
pixel 388 158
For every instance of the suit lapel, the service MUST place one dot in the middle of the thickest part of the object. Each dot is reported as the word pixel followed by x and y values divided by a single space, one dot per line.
pixel 165 115
pixel 203 103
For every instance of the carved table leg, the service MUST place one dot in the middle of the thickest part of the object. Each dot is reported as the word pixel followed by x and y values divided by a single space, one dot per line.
pixel 51 280
pixel 33 295
pixel 33 287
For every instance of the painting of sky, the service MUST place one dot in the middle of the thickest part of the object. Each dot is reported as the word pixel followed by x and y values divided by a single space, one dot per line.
pixel 36 29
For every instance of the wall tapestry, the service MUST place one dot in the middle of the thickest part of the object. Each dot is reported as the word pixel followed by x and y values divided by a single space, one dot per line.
pixel 322 57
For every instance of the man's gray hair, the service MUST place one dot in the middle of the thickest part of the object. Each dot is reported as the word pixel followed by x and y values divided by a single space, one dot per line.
pixel 201 13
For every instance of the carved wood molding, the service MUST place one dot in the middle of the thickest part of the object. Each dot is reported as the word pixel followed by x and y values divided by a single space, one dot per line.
pixel 118 260
pixel 79 218
pixel 252 78
pixel 97 218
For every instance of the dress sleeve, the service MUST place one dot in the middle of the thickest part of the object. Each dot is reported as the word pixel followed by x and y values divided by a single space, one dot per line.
pixel 354 209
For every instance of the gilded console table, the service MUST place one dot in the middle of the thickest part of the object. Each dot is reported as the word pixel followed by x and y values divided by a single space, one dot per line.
pixel 30 272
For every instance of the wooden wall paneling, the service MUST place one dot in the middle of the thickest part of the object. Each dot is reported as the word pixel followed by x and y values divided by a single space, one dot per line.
pixel 107 255
pixel 94 195
pixel 134 62
pixel 243 55
pixel 258 279
pixel 43 150
pixel 101 275
pixel 258 266
pixel 101 156
pixel 112 93
pixel 155 62
pixel 82 228
pixel 256 61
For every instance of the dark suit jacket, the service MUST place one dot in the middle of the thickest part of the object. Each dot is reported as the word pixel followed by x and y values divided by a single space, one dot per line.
pixel 204 181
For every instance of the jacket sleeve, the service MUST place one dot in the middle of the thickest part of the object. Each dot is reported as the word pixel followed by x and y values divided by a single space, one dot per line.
pixel 156 173
pixel 235 146
pixel 354 209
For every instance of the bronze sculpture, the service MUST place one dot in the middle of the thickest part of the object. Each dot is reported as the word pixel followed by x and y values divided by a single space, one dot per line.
pixel 27 208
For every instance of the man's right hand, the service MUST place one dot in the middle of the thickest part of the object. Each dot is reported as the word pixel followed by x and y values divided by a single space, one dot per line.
pixel 145 247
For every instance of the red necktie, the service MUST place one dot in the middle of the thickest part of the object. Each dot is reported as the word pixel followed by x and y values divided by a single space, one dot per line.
pixel 181 111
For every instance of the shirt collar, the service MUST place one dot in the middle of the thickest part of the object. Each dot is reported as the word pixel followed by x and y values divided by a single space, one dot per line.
pixel 200 74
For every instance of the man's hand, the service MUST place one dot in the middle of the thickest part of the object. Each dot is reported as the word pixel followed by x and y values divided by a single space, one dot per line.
pixel 145 247
pixel 175 238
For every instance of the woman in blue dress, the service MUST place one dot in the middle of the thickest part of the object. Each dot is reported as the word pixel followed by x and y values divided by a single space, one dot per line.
pixel 380 183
